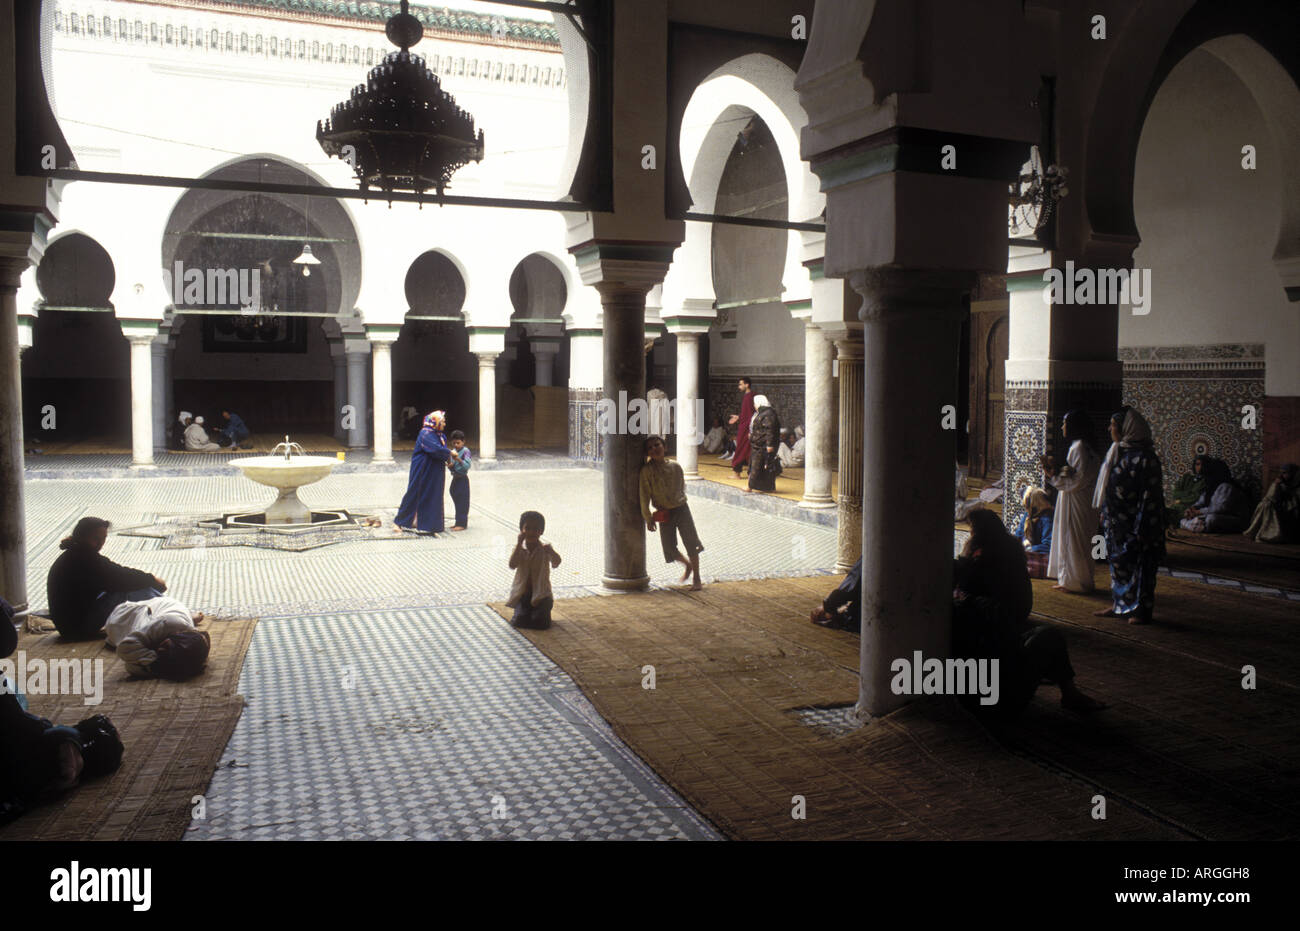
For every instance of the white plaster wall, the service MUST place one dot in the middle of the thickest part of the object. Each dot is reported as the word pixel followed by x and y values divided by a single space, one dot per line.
pixel 168 110
pixel 767 336
pixel 1208 227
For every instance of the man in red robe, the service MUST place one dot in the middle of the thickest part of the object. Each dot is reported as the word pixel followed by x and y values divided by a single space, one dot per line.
pixel 741 420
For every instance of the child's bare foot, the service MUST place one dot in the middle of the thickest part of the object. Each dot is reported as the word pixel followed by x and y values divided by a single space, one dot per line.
pixel 686 574
pixel 1105 612
pixel 456 529
pixel 697 586
pixel 198 617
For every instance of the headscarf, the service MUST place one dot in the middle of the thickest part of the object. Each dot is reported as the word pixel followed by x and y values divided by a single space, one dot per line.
pixel 199 421
pixel 760 402
pixel 435 417
pixel 1134 433
pixel 184 418
pixel 1214 472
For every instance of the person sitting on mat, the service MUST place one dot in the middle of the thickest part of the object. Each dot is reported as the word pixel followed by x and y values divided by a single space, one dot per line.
pixel 1277 518
pixel 842 609
pixel 992 598
pixel 532 560
pixel 39 760
pixel 235 430
pixel 158 639
pixel 196 438
pixel 83 586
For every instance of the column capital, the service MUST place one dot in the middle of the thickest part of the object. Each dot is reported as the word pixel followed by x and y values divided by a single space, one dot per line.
pixel 383 334
pixel 629 269
pixel 487 359
pixel 11 271
pixel 888 291
pixel 849 345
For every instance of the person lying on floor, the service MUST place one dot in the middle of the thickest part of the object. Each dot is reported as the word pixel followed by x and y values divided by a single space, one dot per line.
pixel 1225 510
pixel 1277 517
pixel 992 598
pixel 39 760
pixel 158 638
pixel 83 586
pixel 842 609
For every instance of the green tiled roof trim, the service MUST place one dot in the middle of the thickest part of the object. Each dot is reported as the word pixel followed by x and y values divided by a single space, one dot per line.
pixel 440 18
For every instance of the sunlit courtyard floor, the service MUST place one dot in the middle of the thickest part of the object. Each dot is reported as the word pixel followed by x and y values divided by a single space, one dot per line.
pixel 384 699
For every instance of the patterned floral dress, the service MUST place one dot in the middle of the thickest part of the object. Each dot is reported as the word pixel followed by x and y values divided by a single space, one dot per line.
pixel 1133 520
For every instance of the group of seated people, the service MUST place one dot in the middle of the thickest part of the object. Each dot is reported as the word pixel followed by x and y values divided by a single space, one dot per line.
pixel 90 596
pixel 992 599
pixel 191 433
pixel 1209 499
pixel 790 453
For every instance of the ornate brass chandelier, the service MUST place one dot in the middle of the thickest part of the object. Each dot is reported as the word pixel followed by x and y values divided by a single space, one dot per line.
pixel 400 131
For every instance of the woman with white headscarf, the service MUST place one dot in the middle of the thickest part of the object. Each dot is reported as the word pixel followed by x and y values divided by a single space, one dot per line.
pixel 764 437
pixel 1130 495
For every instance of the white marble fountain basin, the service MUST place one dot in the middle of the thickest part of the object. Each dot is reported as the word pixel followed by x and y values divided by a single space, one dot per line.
pixel 287 475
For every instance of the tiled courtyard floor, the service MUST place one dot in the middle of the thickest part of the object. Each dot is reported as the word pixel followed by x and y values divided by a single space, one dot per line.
pixel 384 700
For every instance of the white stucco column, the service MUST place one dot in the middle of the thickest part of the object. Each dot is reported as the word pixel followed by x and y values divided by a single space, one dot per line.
pixel 819 387
pixel 340 361
pixel 688 392
pixel 158 354
pixel 358 395
pixel 141 400
pixel 544 351
pixel 381 342
pixel 487 406
pixel 13 524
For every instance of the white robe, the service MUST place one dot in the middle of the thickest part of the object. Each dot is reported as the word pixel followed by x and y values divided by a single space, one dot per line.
pixel 196 439
pixel 1076 521
pixel 137 628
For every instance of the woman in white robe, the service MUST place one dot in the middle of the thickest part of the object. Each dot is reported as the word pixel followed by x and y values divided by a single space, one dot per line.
pixel 1070 560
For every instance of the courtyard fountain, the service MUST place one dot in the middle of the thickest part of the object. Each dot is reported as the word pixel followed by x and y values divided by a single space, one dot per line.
pixel 286 473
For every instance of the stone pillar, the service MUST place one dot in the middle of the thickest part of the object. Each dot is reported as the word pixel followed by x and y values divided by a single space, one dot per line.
pixel 340 392
pixel 544 352
pixel 906 566
pixel 819 456
pixel 507 356
pixel 141 401
pixel 158 352
pixel 688 391
pixel 624 348
pixel 487 406
pixel 381 350
pixel 849 542
pixel 358 396
pixel 170 413
pixel 13 521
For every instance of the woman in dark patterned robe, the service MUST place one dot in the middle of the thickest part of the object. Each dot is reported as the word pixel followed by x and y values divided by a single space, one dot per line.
pixel 764 437
pixel 1130 495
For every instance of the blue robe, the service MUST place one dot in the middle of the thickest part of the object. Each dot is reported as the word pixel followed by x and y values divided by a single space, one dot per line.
pixel 1043 527
pixel 1133 520
pixel 422 504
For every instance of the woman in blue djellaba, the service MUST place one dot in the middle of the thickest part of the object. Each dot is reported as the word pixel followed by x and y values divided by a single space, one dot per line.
pixel 421 510
pixel 1130 495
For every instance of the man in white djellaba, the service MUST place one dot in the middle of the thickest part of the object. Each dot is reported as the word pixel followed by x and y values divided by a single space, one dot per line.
pixel 1070 561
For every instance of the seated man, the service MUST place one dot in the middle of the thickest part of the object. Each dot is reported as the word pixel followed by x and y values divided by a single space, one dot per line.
pixel 791 450
pixel 1277 518
pixel 235 430
pixel 716 437
pixel 842 609
pixel 196 438
pixel 158 638
pixel 84 586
